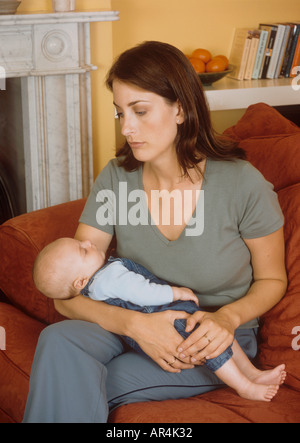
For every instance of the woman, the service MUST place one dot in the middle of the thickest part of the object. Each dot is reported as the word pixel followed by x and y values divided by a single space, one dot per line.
pixel 226 245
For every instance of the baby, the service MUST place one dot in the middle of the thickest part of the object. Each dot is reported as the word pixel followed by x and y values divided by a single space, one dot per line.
pixel 68 268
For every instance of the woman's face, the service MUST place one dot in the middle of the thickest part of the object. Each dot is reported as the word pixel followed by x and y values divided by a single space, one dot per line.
pixel 148 121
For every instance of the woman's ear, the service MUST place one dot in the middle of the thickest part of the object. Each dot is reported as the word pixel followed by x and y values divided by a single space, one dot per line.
pixel 80 283
pixel 180 114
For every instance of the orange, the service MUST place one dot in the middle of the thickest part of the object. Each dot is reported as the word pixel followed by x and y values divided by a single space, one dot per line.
pixel 216 65
pixel 202 54
pixel 223 57
pixel 198 65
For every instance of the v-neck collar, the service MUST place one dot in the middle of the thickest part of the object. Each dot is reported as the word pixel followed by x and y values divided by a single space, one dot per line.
pixel 150 219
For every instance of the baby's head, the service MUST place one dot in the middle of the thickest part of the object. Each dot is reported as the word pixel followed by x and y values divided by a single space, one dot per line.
pixel 63 268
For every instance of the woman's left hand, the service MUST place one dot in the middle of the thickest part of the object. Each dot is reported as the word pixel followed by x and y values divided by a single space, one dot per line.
pixel 210 339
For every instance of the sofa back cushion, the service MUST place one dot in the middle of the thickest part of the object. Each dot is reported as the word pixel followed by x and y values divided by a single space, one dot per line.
pixel 261 120
pixel 21 239
pixel 272 144
pixel 280 327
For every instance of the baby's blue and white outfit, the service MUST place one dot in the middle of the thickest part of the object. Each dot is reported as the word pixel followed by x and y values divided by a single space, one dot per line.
pixel 142 291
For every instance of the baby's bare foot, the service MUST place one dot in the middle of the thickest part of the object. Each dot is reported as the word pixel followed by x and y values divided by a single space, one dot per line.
pixel 259 392
pixel 272 390
pixel 274 376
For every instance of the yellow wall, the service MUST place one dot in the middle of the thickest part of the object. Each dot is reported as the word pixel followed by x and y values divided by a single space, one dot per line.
pixel 187 24
pixel 34 5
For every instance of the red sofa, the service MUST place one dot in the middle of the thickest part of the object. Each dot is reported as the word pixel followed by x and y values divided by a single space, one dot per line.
pixel 273 146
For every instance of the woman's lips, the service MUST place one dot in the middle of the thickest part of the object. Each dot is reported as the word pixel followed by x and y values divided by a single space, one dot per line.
pixel 136 145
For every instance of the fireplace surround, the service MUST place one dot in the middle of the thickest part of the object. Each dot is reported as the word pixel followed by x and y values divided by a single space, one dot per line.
pixel 45 107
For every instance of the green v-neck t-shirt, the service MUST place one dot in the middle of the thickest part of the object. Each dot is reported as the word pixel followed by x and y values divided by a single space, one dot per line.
pixel 210 256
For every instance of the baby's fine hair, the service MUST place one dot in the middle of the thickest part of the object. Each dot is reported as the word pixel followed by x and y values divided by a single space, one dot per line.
pixel 51 275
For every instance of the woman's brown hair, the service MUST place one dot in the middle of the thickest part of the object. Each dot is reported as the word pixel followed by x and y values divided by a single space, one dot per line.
pixel 164 70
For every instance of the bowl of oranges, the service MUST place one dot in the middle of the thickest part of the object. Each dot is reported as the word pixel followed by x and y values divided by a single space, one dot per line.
pixel 210 69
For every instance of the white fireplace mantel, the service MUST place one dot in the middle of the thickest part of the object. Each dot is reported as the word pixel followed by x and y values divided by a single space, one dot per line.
pixel 50 54
pixel 48 44
pixel 30 18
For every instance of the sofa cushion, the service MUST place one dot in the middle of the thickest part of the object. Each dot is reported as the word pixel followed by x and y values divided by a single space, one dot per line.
pixel 21 239
pixel 285 171
pixel 278 332
pixel 22 333
pixel 261 119
pixel 222 406
pixel 265 135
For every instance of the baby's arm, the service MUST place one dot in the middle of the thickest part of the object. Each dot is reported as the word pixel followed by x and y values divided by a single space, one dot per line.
pixel 115 281
pixel 184 294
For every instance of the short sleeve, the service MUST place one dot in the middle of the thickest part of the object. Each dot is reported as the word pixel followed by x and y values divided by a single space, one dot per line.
pixel 258 207
pixel 99 211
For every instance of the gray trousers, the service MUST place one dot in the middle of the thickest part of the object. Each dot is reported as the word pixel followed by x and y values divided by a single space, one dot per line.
pixel 80 372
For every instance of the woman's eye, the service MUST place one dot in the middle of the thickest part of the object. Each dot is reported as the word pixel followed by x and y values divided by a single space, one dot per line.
pixel 120 115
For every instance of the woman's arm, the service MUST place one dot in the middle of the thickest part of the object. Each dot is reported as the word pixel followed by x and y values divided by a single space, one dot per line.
pixel 216 330
pixel 154 332
pixel 269 279
pixel 112 318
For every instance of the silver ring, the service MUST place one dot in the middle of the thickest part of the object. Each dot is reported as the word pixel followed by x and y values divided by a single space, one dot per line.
pixel 173 361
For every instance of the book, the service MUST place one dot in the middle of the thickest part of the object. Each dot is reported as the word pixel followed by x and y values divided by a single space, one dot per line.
pixel 240 52
pixel 252 54
pixel 260 54
pixel 292 53
pixel 269 49
pixel 283 50
pixel 276 51
pixel 293 29
pixel 295 69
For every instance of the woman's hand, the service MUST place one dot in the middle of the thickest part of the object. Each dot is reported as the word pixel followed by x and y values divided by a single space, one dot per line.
pixel 210 339
pixel 156 335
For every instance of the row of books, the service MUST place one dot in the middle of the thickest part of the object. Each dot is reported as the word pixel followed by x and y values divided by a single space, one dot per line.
pixel 271 51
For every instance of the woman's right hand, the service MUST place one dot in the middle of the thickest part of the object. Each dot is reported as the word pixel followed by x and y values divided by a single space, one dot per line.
pixel 156 335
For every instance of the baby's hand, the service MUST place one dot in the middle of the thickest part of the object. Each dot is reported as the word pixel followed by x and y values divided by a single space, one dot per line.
pixel 184 294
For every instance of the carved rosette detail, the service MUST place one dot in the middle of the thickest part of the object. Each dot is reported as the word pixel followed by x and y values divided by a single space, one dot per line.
pixel 56 46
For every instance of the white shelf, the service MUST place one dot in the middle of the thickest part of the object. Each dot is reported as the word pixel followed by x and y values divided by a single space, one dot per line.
pixel 229 94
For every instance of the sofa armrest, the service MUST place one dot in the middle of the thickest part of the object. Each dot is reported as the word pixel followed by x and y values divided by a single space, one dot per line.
pixel 21 239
